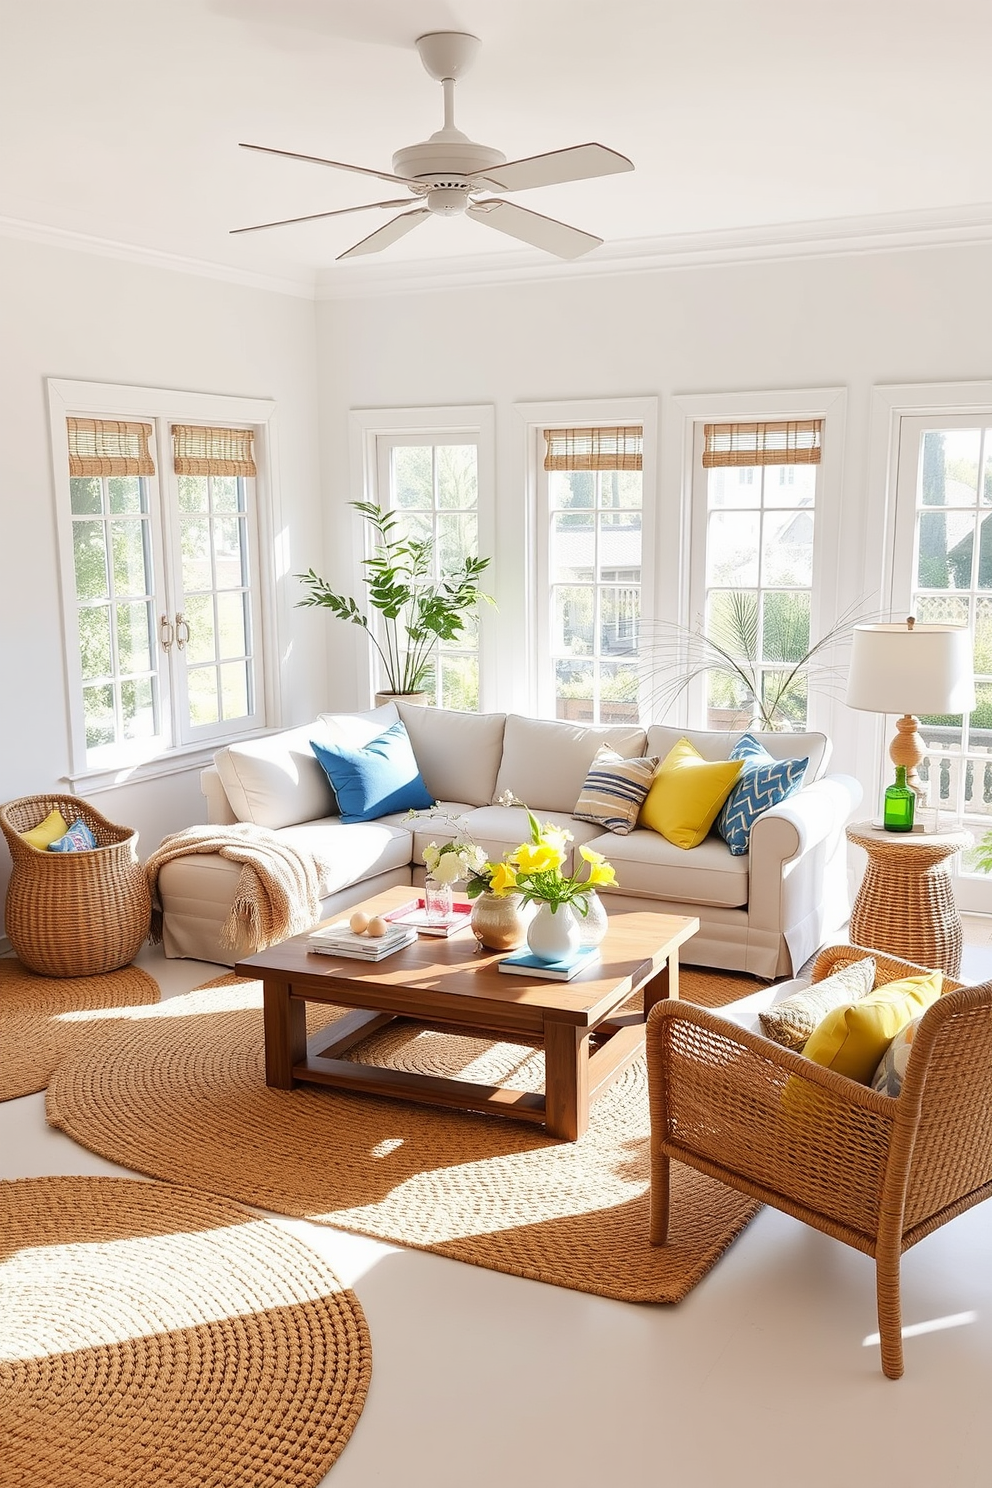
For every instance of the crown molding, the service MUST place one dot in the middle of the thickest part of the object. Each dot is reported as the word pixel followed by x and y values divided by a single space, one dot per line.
pixel 933 227
pixel 827 237
pixel 56 237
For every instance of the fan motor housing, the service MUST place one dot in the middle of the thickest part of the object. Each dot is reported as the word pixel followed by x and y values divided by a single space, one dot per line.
pixel 450 164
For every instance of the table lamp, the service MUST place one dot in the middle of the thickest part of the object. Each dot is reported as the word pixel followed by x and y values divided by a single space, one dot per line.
pixel 909 669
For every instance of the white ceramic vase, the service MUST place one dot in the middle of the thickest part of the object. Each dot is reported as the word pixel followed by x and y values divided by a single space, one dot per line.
pixel 554 934
pixel 594 924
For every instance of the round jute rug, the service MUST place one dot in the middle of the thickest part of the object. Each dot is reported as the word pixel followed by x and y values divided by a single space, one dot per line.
pixel 149 1334
pixel 181 1094
pixel 42 1017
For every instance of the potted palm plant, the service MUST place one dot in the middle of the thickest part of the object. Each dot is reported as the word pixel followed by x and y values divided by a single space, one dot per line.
pixel 418 607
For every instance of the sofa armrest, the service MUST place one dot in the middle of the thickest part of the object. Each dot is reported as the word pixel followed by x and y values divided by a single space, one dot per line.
pixel 798 880
pixel 219 810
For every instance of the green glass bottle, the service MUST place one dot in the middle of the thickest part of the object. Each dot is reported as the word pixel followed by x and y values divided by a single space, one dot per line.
pixel 900 804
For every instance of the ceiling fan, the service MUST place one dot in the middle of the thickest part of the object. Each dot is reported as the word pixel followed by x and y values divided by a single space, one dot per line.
pixel 448 173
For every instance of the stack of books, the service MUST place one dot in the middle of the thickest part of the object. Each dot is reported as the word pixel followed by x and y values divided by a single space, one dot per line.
pixel 522 963
pixel 340 940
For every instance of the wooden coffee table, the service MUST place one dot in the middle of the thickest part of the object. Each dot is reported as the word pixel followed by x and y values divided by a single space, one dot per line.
pixel 587 1040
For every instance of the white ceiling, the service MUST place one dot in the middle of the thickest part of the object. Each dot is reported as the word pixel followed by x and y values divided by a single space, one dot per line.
pixel 120 122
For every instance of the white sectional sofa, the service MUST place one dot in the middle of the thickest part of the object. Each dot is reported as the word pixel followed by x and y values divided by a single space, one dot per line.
pixel 764 912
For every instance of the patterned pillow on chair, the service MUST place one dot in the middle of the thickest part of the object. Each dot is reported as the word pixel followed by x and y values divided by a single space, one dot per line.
pixel 763 782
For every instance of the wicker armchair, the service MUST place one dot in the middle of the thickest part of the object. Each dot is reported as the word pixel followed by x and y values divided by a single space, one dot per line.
pixel 74 914
pixel 879 1173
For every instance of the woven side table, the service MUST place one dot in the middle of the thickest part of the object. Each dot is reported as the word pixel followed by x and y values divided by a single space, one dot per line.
pixel 906 901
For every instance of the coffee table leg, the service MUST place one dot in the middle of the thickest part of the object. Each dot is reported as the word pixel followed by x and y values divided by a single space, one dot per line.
pixel 566 1080
pixel 285 1024
pixel 664 984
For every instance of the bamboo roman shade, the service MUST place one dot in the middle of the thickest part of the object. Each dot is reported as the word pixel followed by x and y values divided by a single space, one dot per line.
pixel 595 449
pixel 796 442
pixel 108 447
pixel 203 451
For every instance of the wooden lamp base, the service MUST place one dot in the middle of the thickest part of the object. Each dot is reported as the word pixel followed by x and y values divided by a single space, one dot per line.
pixel 909 748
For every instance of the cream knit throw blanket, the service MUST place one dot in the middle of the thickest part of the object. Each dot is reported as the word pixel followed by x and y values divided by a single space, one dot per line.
pixel 278 891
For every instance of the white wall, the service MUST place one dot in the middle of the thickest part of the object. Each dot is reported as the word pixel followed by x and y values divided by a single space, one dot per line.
pixel 849 321
pixel 76 315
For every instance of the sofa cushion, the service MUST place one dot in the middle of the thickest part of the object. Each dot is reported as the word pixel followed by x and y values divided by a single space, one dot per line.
pixel 714 745
pixel 379 778
pixel 790 1021
pixel 852 1040
pixel 349 853
pixel 648 865
pixel 275 781
pixel 458 753
pixel 50 830
pixel 545 760
pixel 686 794
pixel 614 790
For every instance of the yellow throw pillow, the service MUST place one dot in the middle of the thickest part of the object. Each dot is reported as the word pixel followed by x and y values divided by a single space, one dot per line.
pixel 687 793
pixel 851 1040
pixel 50 830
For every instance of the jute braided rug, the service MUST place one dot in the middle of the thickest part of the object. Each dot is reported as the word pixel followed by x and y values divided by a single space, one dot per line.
pixel 43 1017
pixel 179 1092
pixel 150 1334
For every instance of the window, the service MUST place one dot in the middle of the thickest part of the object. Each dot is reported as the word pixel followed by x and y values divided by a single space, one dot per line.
pixel 435 486
pixel 594 537
pixel 161 590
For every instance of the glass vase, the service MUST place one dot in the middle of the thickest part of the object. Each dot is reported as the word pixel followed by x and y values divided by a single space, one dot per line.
pixel 553 934
pixel 499 921
pixel 438 901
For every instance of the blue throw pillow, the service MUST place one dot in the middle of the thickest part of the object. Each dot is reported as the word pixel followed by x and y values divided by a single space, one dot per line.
pixel 79 838
pixel 763 782
pixel 378 779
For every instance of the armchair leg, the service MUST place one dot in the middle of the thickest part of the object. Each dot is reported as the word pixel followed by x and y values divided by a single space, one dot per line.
pixel 660 1198
pixel 887 1288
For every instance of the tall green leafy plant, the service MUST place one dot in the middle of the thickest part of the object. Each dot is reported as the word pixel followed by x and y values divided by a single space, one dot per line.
pixel 418 607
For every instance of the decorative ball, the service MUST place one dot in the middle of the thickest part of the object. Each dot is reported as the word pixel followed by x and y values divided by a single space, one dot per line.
pixel 359 922
pixel 377 926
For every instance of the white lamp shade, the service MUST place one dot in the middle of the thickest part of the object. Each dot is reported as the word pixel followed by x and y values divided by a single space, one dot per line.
pixel 926 669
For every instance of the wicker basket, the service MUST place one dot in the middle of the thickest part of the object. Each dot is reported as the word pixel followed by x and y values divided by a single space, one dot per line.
pixel 79 913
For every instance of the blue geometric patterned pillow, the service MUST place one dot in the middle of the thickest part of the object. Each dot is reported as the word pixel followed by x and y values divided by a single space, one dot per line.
pixel 79 838
pixel 763 782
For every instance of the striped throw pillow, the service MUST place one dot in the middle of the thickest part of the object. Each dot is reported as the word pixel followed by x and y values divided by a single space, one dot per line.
pixel 614 790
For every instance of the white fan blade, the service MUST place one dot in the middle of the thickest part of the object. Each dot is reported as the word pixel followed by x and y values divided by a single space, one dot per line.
pixel 530 227
pixel 359 170
pixel 313 216
pixel 383 236
pixel 577 163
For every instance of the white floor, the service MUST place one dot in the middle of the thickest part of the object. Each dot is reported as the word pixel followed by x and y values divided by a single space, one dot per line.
pixel 766 1374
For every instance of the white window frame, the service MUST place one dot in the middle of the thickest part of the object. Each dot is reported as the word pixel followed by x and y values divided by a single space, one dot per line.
pixel 535 596
pixel 827 600
pixel 370 429
pixel 163 407
pixel 900 412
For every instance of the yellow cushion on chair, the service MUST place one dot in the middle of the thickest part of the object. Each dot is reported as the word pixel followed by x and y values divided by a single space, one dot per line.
pixel 50 830
pixel 851 1040
pixel 686 794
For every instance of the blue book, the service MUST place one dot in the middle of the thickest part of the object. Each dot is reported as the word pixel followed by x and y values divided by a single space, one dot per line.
pixel 522 963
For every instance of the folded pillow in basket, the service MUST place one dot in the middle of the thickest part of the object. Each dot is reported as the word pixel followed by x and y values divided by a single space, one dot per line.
pixel 614 790
pixel 377 779
pixel 78 838
pixel 764 781
pixel 54 825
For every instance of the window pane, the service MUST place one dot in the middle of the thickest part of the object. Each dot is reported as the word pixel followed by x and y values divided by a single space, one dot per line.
pixel 457 480
pixel 193 493
pixel 124 494
pixel 413 477
pixel 459 682
pixel 232 625
pixel 734 486
pixel 457 536
pixel 946 540
pixel 732 549
pixel 573 547
pixel 98 714
pixel 224 493
pixel 94 642
pixel 133 637
pixel 785 626
pixel 787 556
pixel 85 495
pixel 789 485
pixel 229 550
pixel 949 467
pixel 785 696
pixel 574 620
pixel 571 490
pixel 137 710
pixel 201 689
pixel 128 546
pixel 618 693
pixel 198 612
pixel 195 543
pixel 620 490
pixel 234 690
pixel 574 691
pixel 728 702
pixel 620 613
pixel 90 558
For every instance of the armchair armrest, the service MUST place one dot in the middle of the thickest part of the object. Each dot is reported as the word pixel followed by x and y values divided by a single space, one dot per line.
pixel 219 810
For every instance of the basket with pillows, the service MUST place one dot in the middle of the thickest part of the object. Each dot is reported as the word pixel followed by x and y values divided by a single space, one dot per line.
pixel 78 902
